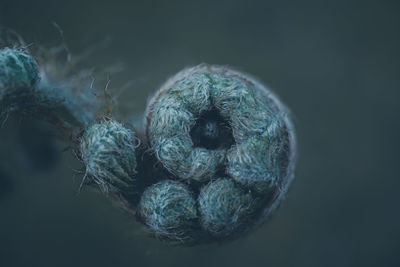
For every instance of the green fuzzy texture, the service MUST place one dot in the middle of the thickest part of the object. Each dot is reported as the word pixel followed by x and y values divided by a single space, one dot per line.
pixel 261 160
pixel 173 117
pixel 242 105
pixel 19 74
pixel 169 210
pixel 224 207
pixel 211 121
pixel 17 69
pixel 108 152
pixel 197 99
pixel 253 119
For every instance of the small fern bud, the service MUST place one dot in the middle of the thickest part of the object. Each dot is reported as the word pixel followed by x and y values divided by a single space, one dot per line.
pixel 108 151
pixel 169 210
pixel 19 73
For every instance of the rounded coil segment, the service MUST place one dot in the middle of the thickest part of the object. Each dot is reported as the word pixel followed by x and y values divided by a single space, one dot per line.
pixel 108 151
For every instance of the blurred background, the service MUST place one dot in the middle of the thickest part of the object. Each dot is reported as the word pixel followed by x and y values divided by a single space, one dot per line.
pixel 334 63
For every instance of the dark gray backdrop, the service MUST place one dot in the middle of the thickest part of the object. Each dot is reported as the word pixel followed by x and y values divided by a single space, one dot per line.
pixel 334 63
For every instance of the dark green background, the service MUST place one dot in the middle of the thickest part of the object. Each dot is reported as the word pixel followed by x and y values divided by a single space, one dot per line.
pixel 334 63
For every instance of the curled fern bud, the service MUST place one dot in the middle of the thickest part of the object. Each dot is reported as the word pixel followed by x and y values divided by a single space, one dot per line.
pixel 210 120
pixel 108 152
pixel 19 73
pixel 225 208
pixel 169 210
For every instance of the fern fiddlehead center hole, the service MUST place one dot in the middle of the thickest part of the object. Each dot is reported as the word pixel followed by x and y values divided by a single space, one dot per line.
pixel 212 131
